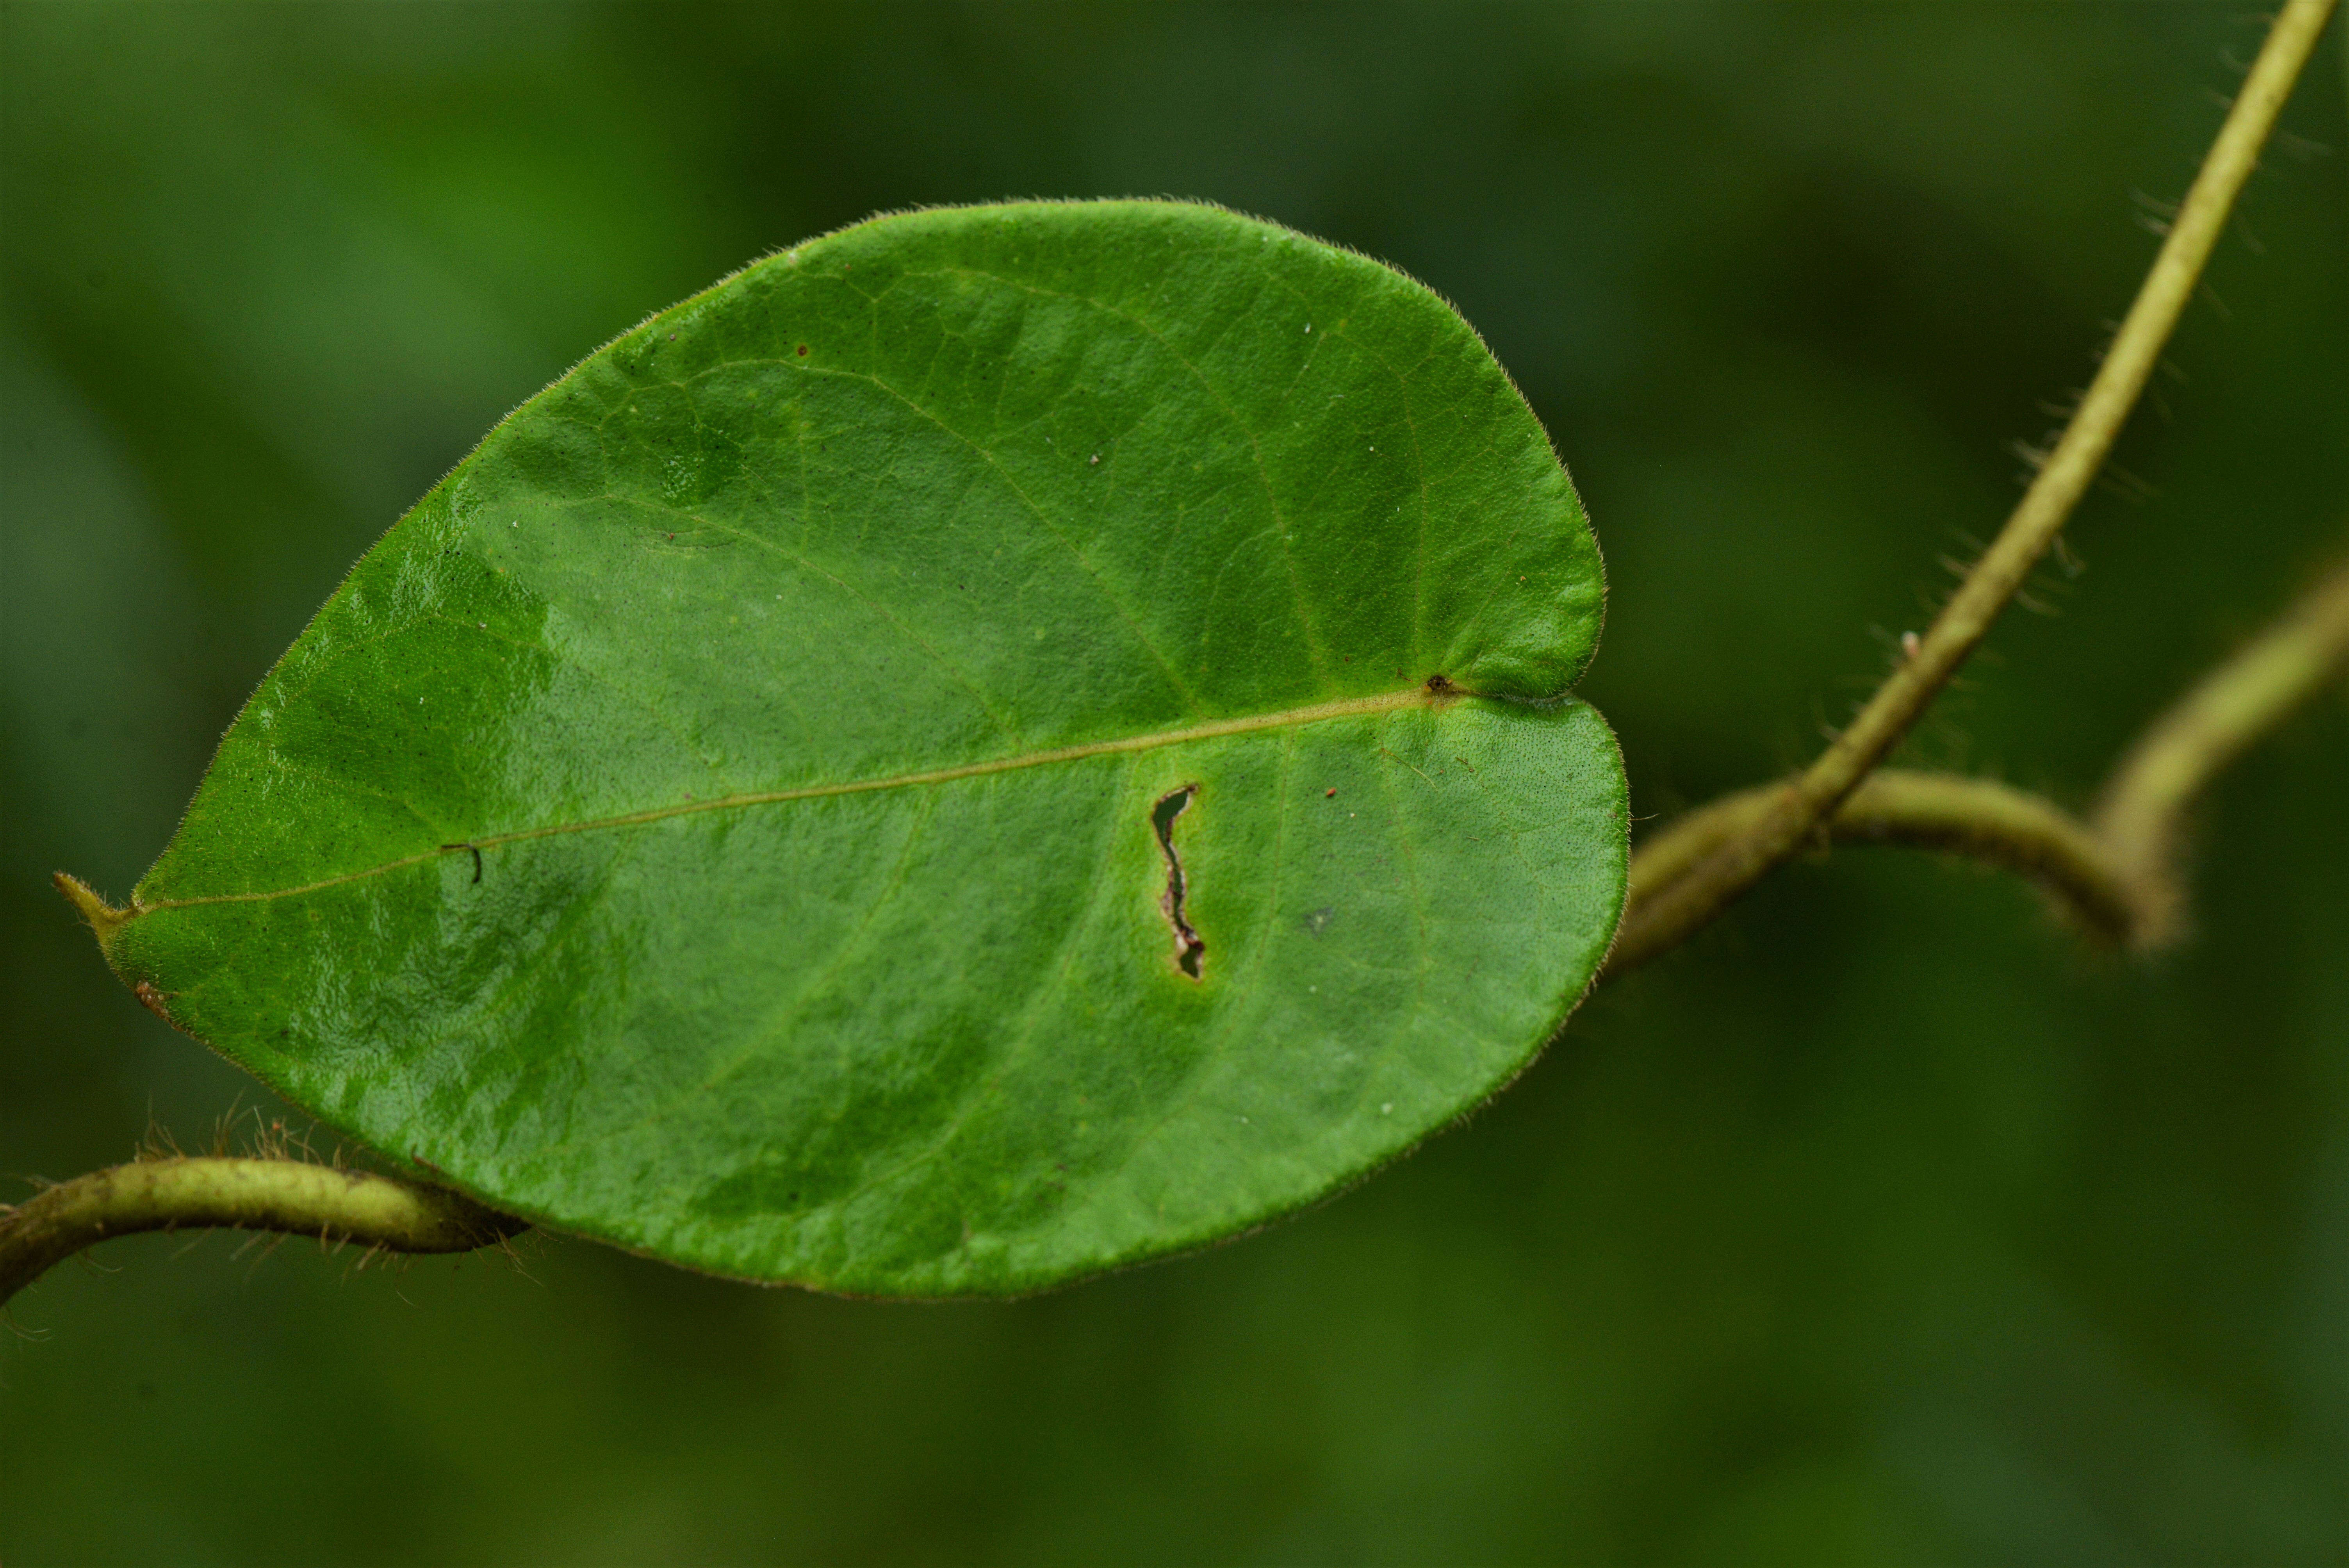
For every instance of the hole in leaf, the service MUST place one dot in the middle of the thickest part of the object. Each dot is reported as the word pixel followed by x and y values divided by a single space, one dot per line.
pixel 1190 948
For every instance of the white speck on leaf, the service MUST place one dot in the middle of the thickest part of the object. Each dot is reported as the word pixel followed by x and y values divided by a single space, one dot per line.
pixel 1387 1109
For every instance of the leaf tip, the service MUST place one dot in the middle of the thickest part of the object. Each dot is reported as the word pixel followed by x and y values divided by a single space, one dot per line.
pixel 104 919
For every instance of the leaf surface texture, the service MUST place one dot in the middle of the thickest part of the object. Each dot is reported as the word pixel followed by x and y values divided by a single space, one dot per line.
pixel 838 789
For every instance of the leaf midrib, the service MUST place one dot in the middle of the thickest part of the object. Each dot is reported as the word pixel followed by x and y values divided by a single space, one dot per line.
pixel 1340 708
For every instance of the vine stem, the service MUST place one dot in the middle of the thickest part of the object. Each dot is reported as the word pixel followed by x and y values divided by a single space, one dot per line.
pixel 1798 808
pixel 2141 814
pixel 1979 818
pixel 2117 872
pixel 292 1196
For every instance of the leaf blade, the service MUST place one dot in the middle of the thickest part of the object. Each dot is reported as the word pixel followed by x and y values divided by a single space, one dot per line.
pixel 1050 518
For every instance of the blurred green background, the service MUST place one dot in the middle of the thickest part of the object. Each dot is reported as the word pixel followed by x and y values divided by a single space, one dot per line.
pixel 1887 1224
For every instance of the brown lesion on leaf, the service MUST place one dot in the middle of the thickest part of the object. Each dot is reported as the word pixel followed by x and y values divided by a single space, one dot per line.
pixel 1190 947
pixel 152 1000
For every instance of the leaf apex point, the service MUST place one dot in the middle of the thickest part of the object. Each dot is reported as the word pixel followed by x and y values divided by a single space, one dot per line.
pixel 104 918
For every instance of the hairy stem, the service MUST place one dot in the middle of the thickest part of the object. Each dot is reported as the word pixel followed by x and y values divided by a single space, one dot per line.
pixel 1979 818
pixel 2114 872
pixel 2142 810
pixel 288 1195
pixel 1796 809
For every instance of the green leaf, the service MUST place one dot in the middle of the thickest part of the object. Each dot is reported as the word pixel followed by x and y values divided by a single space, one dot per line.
pixel 995 743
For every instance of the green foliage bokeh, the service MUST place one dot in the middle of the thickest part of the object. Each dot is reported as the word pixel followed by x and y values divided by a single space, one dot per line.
pixel 1885 1223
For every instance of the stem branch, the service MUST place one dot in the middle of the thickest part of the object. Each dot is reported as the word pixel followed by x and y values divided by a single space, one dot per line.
pixel 2117 872
pixel 1979 818
pixel 1797 809
pixel 288 1195
pixel 2140 816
